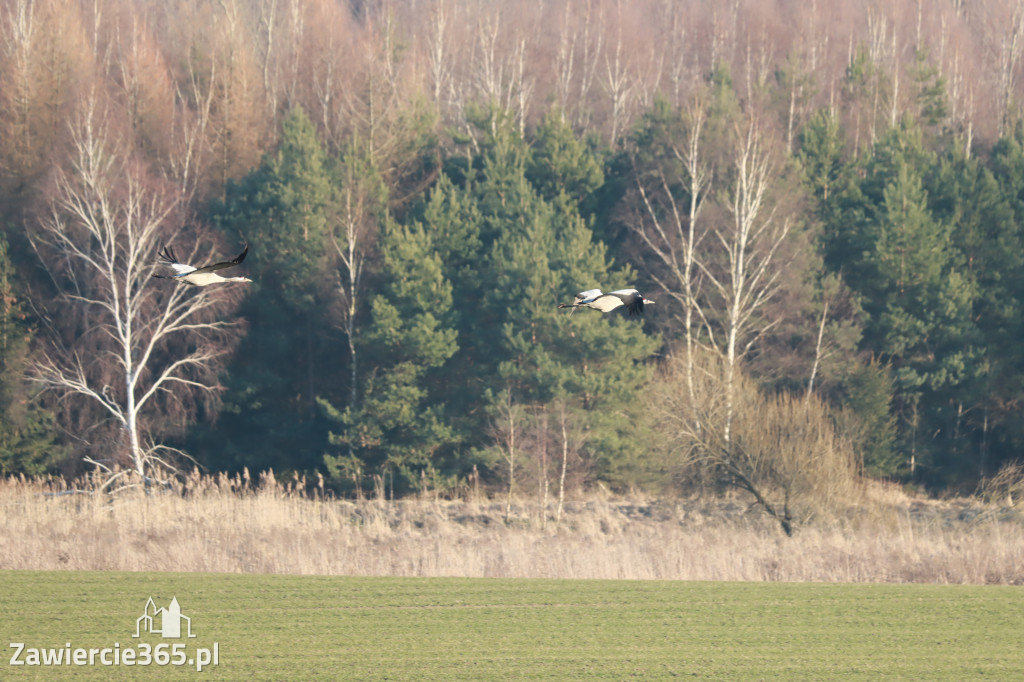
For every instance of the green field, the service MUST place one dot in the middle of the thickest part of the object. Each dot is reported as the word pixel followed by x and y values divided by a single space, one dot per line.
pixel 297 627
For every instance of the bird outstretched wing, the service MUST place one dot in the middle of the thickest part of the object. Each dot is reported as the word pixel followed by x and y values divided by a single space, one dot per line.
pixel 225 264
pixel 168 258
pixel 632 299
pixel 582 298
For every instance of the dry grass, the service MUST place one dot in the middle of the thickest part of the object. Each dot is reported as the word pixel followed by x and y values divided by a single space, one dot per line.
pixel 224 525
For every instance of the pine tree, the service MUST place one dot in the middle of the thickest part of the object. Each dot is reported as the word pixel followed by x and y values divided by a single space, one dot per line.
pixel 537 250
pixel 917 294
pixel 282 208
pixel 27 431
pixel 821 157
pixel 399 424
pixel 990 220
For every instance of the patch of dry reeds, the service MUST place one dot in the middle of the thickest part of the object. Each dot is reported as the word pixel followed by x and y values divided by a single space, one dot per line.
pixel 222 524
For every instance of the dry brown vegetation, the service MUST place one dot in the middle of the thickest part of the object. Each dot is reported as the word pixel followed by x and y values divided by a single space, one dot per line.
pixel 237 525
pixel 784 452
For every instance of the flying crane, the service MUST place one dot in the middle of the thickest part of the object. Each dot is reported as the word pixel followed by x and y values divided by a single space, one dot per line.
pixel 199 276
pixel 631 299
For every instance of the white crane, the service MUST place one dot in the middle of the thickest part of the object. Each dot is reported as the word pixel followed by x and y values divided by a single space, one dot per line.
pixel 201 276
pixel 632 299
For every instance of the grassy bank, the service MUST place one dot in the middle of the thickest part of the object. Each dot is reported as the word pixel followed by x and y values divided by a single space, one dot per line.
pixel 233 527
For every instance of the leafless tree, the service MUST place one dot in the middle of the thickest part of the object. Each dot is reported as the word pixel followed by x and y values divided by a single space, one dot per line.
pixel 619 85
pixel 591 44
pixel 20 34
pixel 358 223
pixel 439 54
pixel 269 30
pixel 239 124
pixel 43 62
pixel 501 74
pixel 384 118
pixel 671 232
pixel 570 442
pixel 783 451
pixel 505 429
pixel 565 63
pixel 324 41
pixel 137 350
pixel 751 242
pixel 142 81
pixel 577 61
pixel 189 158
pixel 1009 51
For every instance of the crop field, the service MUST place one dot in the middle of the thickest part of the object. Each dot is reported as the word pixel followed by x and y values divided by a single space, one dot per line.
pixel 350 628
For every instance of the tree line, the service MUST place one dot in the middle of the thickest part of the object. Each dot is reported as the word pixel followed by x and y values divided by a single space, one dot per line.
pixel 831 237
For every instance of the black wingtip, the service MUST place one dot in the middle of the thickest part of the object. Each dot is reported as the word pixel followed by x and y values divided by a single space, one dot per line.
pixel 167 255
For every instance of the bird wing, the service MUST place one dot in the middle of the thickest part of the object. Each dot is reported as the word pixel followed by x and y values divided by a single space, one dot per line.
pixel 632 299
pixel 605 302
pixel 168 258
pixel 225 264
pixel 585 297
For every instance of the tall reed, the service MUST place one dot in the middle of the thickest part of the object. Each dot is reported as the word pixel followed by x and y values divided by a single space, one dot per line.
pixel 223 524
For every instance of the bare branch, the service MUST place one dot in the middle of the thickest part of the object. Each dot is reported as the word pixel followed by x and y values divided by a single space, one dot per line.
pixel 98 244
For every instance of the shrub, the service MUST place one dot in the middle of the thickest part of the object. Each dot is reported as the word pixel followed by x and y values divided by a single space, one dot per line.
pixel 784 451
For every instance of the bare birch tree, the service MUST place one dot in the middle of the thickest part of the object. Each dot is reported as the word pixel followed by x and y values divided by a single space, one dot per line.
pixel 751 242
pixel 1010 49
pixel 361 205
pixel 783 451
pixel 501 74
pixel 327 71
pixel 591 45
pixel 439 55
pixel 267 18
pixel 619 85
pixel 138 352
pixel 671 232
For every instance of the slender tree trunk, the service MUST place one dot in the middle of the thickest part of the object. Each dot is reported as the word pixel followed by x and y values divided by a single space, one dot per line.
pixel 543 482
pixel 730 380
pixel 675 245
pixel 698 177
pixel 751 242
pixel 350 334
pixel 511 463
pixel 138 461
pixel 817 351
pixel 565 464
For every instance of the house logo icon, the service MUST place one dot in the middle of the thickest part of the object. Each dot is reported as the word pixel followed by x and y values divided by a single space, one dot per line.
pixel 165 622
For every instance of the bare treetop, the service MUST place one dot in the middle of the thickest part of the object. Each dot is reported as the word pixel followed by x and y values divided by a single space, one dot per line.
pixel 138 353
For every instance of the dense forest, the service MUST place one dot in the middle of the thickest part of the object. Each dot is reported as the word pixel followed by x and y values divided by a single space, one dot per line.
pixel 824 200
